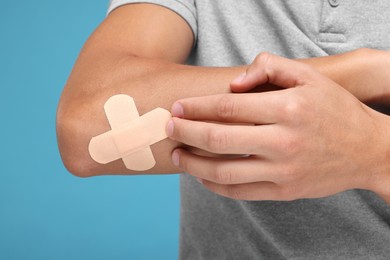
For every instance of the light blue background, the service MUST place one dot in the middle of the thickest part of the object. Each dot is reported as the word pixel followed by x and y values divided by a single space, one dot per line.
pixel 45 212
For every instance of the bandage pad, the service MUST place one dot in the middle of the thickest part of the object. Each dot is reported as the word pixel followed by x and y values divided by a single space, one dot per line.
pixel 130 136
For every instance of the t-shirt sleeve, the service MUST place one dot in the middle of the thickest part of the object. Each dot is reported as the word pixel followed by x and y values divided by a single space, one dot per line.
pixel 185 8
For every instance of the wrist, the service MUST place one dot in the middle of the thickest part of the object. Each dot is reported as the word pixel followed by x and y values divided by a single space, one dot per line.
pixel 380 174
pixel 358 70
pixel 363 72
pixel 372 75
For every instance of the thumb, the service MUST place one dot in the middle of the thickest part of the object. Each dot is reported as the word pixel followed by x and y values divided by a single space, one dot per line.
pixel 276 70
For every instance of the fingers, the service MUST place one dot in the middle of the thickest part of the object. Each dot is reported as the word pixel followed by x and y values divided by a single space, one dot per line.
pixel 249 191
pixel 223 170
pixel 240 179
pixel 259 108
pixel 223 139
pixel 268 68
pixel 245 178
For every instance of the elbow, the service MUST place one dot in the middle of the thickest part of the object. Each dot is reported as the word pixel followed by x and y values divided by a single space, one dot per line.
pixel 76 167
pixel 72 142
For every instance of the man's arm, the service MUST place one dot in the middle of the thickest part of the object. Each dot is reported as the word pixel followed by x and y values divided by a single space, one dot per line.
pixel 363 72
pixel 137 51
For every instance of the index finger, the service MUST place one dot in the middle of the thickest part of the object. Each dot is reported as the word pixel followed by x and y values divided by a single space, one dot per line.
pixel 252 108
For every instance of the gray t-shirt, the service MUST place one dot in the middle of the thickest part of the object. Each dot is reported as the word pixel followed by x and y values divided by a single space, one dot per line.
pixel 350 225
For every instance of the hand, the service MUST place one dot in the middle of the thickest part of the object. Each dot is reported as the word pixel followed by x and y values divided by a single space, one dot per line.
pixel 310 140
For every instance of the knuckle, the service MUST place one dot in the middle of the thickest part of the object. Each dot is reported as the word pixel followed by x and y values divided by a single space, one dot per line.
pixel 222 174
pixel 216 140
pixel 226 108
pixel 261 65
pixel 263 58
pixel 296 109
pixel 293 106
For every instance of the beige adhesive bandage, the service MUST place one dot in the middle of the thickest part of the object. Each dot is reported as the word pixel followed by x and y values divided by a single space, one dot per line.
pixel 130 136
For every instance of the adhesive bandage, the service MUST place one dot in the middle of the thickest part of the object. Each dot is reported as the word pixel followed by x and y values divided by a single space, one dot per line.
pixel 130 136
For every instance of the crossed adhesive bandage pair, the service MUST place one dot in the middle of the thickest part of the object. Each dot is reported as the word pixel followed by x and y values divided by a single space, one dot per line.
pixel 130 136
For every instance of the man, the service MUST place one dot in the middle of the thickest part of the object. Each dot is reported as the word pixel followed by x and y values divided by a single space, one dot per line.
pixel 311 156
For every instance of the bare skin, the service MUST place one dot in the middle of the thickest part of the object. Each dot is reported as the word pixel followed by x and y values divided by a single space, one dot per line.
pixel 141 61
pixel 311 140
pixel 140 54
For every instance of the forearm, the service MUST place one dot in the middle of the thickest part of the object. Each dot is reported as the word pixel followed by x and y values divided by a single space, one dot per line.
pixel 157 83
pixel 152 83
pixel 363 72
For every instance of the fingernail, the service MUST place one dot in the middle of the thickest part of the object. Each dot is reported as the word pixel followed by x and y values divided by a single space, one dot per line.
pixel 177 110
pixel 176 158
pixel 239 79
pixel 199 180
pixel 170 127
